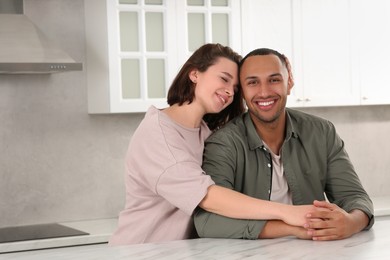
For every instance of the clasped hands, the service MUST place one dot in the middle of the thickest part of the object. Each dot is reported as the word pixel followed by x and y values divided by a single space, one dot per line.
pixel 327 221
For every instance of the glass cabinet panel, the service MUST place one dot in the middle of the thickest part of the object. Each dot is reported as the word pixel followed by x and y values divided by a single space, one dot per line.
pixel 154 31
pixel 196 31
pixel 220 28
pixel 208 21
pixel 153 2
pixel 219 2
pixel 130 79
pixel 156 78
pixel 128 26
pixel 134 2
pixel 195 2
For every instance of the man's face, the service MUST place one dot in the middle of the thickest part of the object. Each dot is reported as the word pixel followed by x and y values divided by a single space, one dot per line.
pixel 265 85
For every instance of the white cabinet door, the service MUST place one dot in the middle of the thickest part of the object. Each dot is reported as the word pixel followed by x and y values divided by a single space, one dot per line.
pixel 324 53
pixel 128 46
pixel 268 24
pixel 316 37
pixel 373 36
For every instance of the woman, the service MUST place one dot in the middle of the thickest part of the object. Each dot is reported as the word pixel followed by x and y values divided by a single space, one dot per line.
pixel 164 178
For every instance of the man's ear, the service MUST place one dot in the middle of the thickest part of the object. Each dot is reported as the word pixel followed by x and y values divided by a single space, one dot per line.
pixel 290 81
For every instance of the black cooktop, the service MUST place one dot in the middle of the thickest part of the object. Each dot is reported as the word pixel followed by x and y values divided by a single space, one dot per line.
pixel 41 231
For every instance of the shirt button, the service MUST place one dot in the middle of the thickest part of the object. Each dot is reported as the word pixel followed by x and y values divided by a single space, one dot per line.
pixel 269 165
pixel 269 191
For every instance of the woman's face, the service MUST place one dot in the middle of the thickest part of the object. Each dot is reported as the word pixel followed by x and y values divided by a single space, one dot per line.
pixel 215 87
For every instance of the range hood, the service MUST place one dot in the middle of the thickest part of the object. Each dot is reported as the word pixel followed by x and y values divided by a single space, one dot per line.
pixel 25 50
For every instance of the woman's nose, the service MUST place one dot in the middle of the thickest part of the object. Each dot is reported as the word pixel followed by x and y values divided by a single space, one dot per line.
pixel 229 91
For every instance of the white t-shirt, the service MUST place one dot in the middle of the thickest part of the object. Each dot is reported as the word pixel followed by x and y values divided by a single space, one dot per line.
pixel 280 191
pixel 164 181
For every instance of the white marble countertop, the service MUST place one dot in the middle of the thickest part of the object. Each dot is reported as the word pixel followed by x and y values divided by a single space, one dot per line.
pixel 100 230
pixel 373 244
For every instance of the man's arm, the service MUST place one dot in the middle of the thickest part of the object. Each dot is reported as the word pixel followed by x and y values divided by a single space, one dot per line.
pixel 344 189
pixel 277 228
pixel 216 226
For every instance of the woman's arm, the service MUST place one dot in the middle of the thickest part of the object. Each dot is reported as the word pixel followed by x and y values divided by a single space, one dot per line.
pixel 230 203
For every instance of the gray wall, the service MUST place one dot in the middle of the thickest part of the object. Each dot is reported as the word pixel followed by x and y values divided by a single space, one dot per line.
pixel 58 163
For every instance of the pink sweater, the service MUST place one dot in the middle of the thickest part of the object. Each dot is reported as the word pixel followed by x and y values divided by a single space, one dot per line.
pixel 164 181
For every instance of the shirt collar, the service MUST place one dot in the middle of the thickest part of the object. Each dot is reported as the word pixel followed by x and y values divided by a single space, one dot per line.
pixel 254 140
pixel 291 131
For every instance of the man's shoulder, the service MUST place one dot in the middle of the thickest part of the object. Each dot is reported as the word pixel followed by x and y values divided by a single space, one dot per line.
pixel 301 117
pixel 304 123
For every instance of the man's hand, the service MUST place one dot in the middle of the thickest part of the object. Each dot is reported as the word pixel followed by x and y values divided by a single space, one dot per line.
pixel 335 223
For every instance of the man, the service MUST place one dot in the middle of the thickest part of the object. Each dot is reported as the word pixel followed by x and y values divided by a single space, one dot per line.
pixel 275 153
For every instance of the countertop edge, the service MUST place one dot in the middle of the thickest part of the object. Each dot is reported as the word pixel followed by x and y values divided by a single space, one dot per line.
pixel 101 229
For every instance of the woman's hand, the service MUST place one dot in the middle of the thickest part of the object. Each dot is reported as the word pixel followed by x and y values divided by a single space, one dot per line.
pixel 296 215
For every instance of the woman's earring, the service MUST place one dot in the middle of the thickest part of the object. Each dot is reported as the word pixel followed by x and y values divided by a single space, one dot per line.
pixel 193 81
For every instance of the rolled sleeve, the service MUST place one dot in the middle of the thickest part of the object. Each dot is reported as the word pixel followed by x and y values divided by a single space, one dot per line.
pixel 215 226
pixel 343 184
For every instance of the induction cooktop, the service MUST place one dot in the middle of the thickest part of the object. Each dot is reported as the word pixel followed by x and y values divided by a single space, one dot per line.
pixel 41 231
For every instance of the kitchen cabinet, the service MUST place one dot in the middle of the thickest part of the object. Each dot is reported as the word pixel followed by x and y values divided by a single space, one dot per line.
pixel 128 44
pixel 373 36
pixel 267 24
pixel 316 37
pixel 136 47
pixel 324 55
pixel 338 48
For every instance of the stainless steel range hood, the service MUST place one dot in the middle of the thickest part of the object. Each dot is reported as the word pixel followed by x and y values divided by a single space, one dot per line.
pixel 24 49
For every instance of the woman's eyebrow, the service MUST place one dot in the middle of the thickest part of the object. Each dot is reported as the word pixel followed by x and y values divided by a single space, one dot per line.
pixel 227 74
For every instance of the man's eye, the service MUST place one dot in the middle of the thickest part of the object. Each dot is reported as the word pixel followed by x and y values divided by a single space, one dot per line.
pixel 252 82
pixel 275 80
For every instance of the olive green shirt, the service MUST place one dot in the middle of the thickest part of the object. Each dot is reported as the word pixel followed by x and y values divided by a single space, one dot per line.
pixel 315 163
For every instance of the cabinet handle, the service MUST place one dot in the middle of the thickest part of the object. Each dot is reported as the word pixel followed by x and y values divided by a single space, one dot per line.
pixel 303 99
pixel 364 98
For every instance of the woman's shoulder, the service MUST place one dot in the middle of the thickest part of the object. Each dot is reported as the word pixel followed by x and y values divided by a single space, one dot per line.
pixel 148 128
